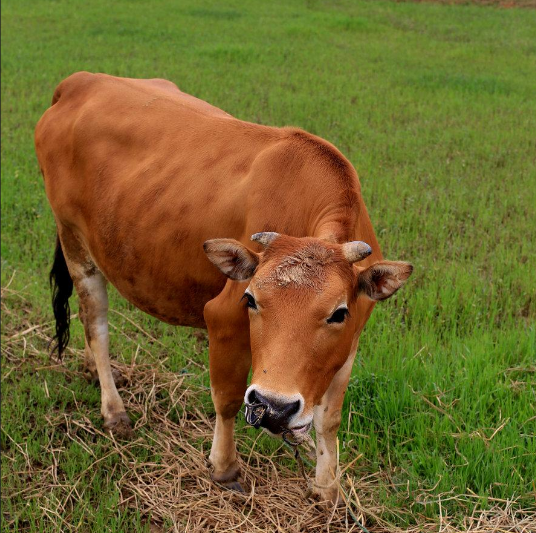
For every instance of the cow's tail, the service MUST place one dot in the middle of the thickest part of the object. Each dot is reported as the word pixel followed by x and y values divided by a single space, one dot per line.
pixel 62 288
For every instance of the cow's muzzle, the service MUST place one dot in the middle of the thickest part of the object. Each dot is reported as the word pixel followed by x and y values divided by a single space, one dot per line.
pixel 273 414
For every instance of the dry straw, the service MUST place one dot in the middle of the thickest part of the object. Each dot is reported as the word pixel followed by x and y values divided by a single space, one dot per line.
pixel 175 493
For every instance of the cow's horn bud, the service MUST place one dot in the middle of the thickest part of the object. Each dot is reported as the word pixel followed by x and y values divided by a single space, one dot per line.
pixel 265 237
pixel 356 251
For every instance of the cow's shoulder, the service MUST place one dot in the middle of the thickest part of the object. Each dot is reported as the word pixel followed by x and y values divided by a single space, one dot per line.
pixel 318 148
pixel 322 157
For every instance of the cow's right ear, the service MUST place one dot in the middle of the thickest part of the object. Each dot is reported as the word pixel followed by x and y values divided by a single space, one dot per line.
pixel 232 258
pixel 383 279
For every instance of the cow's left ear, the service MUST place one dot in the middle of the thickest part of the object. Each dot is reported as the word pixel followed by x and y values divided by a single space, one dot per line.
pixel 383 279
pixel 234 259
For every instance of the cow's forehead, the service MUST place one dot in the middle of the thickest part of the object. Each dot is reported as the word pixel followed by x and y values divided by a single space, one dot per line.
pixel 307 266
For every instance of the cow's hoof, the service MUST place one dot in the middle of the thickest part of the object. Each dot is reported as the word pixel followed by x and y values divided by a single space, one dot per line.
pixel 331 497
pixel 235 486
pixel 120 425
pixel 228 479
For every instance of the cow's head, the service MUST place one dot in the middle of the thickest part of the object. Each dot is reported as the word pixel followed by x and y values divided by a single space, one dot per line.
pixel 303 313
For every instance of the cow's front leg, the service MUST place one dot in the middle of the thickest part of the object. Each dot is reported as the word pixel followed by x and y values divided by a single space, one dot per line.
pixel 230 361
pixel 327 419
pixel 223 452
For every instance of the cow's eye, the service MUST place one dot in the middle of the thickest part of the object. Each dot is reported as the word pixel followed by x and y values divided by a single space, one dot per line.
pixel 250 300
pixel 339 316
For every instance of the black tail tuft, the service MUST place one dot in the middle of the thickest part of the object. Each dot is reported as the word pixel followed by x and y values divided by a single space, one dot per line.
pixel 62 288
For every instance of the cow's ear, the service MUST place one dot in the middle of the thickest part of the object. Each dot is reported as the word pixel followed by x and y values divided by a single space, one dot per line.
pixel 383 279
pixel 232 258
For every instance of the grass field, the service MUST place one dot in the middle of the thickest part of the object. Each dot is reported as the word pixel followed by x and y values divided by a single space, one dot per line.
pixel 436 107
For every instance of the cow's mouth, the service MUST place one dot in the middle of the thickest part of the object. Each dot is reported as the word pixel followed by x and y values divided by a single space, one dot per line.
pixel 296 435
pixel 299 431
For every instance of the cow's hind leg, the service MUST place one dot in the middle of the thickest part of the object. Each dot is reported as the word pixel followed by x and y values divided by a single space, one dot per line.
pixel 90 366
pixel 230 361
pixel 90 285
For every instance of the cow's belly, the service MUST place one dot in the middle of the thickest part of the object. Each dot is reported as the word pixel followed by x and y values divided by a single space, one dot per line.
pixel 179 302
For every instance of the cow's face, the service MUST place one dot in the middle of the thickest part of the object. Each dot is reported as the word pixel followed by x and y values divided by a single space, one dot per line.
pixel 302 305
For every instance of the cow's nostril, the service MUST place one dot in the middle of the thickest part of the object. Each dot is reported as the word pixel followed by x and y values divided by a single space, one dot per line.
pixel 292 408
pixel 252 397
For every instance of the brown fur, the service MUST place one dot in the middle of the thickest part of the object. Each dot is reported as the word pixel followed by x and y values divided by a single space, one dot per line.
pixel 125 176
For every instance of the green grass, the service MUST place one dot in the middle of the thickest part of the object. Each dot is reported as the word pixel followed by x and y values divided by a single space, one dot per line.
pixel 436 107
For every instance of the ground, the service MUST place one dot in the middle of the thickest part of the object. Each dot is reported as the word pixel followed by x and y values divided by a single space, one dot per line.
pixel 434 105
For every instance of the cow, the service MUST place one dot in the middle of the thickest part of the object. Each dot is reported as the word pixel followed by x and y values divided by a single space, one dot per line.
pixel 258 234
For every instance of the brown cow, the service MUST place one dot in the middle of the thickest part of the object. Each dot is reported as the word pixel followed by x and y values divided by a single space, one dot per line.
pixel 139 175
